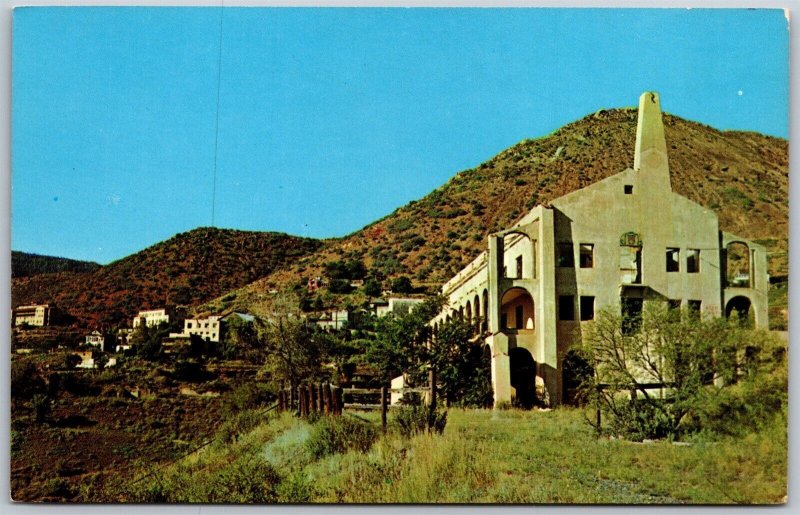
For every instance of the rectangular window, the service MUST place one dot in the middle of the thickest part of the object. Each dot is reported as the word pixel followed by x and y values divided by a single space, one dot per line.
pixel 629 189
pixel 630 264
pixel 587 307
pixel 504 321
pixel 518 317
pixel 693 261
pixel 673 260
pixel 519 267
pixel 586 255
pixel 673 304
pixel 566 307
pixel 694 308
pixel 565 257
pixel 631 314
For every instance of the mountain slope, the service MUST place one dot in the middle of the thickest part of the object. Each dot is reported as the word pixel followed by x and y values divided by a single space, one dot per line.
pixel 742 176
pixel 189 268
pixel 25 264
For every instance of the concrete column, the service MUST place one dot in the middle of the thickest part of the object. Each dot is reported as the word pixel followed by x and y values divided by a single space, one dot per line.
pixel 495 269
pixel 547 359
pixel 501 368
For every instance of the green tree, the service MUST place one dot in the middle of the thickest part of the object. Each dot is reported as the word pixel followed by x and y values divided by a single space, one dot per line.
pixel 463 374
pixel 402 284
pixel 294 350
pixel 692 357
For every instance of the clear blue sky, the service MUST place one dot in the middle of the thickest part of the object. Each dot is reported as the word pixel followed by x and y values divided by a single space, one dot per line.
pixel 331 118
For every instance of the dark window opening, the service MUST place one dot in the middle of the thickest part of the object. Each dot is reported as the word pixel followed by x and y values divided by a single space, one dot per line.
pixel 565 257
pixel 505 271
pixel 629 189
pixel 566 307
pixel 694 308
pixel 587 307
pixel 693 261
pixel 586 256
pixel 631 315
pixel 673 260
pixel 518 317
pixel 673 304
pixel 504 321
pixel 519 267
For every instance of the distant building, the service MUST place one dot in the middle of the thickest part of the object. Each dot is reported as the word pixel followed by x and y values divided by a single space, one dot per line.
pixel 208 328
pixel 152 317
pixel 97 339
pixel 396 306
pixel 334 319
pixel 38 315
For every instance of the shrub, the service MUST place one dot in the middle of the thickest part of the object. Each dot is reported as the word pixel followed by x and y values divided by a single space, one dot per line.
pixel 41 406
pixel 402 284
pixel 420 419
pixel 339 434
pixel 239 424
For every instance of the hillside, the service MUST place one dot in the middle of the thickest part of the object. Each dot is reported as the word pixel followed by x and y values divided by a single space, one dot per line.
pixel 24 264
pixel 187 269
pixel 742 176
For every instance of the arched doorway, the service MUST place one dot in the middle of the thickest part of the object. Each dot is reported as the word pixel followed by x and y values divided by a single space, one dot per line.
pixel 523 376
pixel 517 310
pixel 739 307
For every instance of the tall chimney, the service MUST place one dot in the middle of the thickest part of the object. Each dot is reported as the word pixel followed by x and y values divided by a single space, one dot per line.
pixel 650 158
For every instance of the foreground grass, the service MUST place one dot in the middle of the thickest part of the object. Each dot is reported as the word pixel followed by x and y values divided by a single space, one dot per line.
pixel 483 457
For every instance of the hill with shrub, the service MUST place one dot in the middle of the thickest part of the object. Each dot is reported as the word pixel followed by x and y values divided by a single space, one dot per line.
pixel 25 264
pixel 187 269
pixel 742 176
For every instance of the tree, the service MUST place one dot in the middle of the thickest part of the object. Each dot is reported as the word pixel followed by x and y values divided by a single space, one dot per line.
pixel 372 287
pixel 402 284
pixel 463 375
pixel 294 350
pixel 684 354
pixel 399 342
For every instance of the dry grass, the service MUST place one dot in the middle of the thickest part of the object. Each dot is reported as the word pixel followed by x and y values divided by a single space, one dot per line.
pixel 499 457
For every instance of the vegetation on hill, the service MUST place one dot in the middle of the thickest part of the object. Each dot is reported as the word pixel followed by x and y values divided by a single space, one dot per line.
pixel 742 176
pixel 186 269
pixel 24 264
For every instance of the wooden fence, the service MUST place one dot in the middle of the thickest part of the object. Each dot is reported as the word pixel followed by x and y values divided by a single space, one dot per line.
pixel 326 399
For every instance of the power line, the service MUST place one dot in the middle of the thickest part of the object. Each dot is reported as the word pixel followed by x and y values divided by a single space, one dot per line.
pixel 216 124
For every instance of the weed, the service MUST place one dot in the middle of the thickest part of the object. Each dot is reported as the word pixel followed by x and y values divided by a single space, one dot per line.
pixel 339 434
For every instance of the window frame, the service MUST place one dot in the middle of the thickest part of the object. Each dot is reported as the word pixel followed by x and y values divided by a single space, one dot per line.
pixel 581 255
pixel 584 316
pixel 690 253
pixel 675 265
pixel 565 259
pixel 562 302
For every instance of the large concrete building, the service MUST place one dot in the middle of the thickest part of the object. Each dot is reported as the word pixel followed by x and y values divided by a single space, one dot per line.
pixel 38 315
pixel 618 243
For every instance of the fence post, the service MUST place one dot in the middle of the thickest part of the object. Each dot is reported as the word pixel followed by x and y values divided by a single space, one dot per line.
pixel 312 399
pixel 432 387
pixel 320 398
pixel 280 401
pixel 383 408
pixel 291 398
pixel 327 392
pixel 301 400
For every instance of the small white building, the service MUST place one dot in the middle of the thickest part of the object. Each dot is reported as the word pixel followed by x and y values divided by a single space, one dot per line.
pixel 96 339
pixel 334 319
pixel 397 306
pixel 208 328
pixel 152 317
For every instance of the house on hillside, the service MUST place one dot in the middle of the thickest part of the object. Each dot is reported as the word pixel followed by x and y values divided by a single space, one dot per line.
pixel 397 306
pixel 208 328
pixel 619 243
pixel 97 339
pixel 152 317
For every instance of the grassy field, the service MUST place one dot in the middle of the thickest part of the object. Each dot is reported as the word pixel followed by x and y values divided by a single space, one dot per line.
pixel 482 457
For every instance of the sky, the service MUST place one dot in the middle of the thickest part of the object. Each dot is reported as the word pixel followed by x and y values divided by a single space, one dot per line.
pixel 130 125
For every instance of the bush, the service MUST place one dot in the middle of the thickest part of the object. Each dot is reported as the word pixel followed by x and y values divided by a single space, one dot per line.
pixel 239 424
pixel 420 419
pixel 41 406
pixel 339 434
